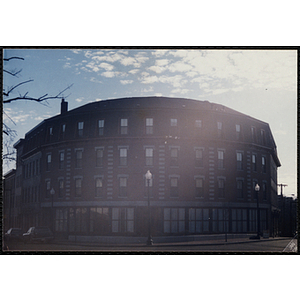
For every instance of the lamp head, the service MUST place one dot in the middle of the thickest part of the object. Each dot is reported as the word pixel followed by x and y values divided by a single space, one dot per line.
pixel 257 187
pixel 148 175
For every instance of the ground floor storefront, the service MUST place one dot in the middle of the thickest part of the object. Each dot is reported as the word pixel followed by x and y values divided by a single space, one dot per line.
pixel 164 221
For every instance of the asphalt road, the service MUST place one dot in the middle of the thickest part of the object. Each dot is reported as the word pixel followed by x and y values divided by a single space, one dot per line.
pixel 269 245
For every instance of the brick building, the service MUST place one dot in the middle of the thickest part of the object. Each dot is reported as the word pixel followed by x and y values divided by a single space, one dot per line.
pixel 83 172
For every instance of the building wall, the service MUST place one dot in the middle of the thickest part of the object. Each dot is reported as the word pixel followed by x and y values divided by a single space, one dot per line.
pixel 190 162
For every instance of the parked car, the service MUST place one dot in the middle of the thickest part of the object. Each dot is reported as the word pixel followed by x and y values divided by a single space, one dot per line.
pixel 38 234
pixel 14 234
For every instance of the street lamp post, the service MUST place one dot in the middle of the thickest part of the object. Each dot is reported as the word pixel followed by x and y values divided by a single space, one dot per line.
pixel 52 192
pixel 148 176
pixel 257 188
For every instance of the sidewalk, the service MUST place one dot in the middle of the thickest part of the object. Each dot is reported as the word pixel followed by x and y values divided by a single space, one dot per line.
pixel 133 242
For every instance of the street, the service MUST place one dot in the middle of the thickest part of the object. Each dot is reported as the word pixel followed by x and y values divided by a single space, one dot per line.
pixel 264 245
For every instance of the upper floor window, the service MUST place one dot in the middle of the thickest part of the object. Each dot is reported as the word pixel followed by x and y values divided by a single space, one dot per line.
pixel 149 125
pixel 61 160
pixel 263 137
pixel 174 187
pixel 48 188
pixel 264 164
pixel 123 186
pixel 123 156
pixel 221 187
pixel 240 188
pixel 78 161
pixel 173 122
pixel 62 131
pixel 78 187
pixel 80 128
pixel 61 186
pixel 98 187
pixel 220 129
pixel 99 157
pixel 254 166
pixel 221 159
pixel 198 123
pixel 199 187
pixel 199 157
pixel 49 133
pixel 174 157
pixel 264 190
pixel 238 131
pixel 253 134
pixel 239 160
pixel 48 166
pixel 100 127
pixel 124 126
pixel 149 156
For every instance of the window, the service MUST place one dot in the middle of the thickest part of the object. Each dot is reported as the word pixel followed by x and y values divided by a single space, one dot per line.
pixel 99 157
pixel 263 137
pixel 174 187
pixel 149 156
pixel 78 187
pixel 199 157
pixel 174 128
pixel 198 123
pixel 98 187
pixel 174 157
pixel 61 186
pixel 99 220
pixel 122 219
pixel 220 129
pixel 123 156
pixel 100 127
pixel 253 134
pixel 239 220
pixel 124 126
pixel 62 131
pixel 238 131
pixel 220 159
pixel 264 190
pixel 149 126
pixel 123 186
pixel 61 160
pixel 48 162
pixel 264 164
pixel 239 160
pixel 199 187
pixel 218 220
pixel 80 128
pixel 61 220
pixel 48 187
pixel 174 220
pixel 195 220
pixel 254 162
pixel 78 162
pixel 173 122
pixel 221 187
pixel 240 190
pixel 49 133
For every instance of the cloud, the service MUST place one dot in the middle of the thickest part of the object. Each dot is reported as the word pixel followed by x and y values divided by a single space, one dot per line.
pixel 106 66
pixel 124 82
pixel 79 100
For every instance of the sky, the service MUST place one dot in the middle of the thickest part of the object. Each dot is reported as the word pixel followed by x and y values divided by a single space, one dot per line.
pixel 260 83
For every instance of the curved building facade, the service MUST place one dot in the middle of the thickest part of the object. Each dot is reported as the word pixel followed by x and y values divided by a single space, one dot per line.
pixel 83 172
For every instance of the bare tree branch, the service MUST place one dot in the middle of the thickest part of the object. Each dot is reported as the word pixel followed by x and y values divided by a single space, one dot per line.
pixel 13 57
pixel 13 73
pixel 7 94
